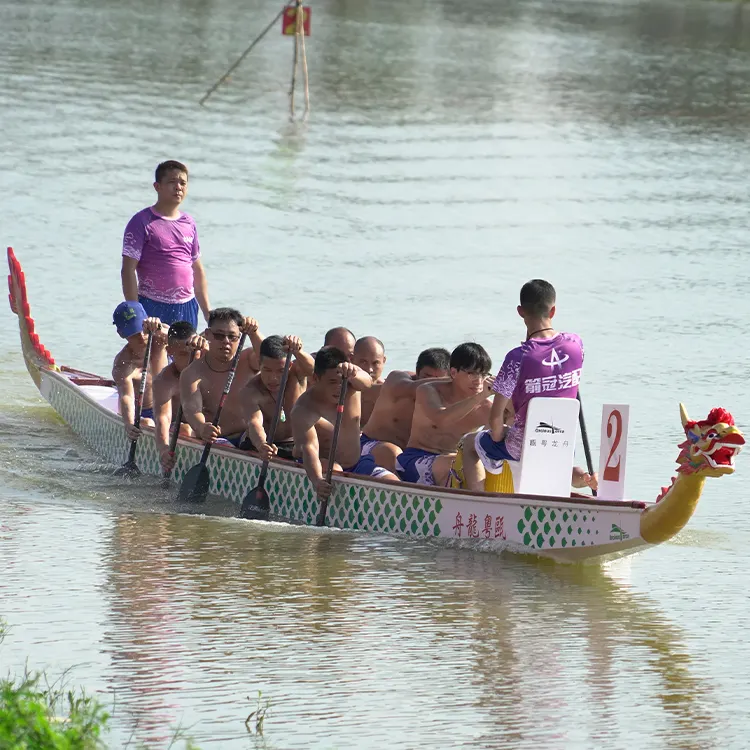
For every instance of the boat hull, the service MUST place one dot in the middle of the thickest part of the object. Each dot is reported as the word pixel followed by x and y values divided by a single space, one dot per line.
pixel 566 529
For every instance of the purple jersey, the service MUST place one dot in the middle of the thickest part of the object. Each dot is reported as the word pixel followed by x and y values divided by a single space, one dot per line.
pixel 165 250
pixel 539 367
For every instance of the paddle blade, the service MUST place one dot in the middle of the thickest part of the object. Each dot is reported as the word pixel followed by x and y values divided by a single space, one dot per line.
pixel 128 469
pixel 195 485
pixel 257 505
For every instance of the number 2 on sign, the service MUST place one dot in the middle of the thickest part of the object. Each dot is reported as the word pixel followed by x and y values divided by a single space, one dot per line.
pixel 612 471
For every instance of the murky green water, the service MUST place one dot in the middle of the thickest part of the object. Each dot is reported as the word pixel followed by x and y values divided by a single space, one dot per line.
pixel 455 149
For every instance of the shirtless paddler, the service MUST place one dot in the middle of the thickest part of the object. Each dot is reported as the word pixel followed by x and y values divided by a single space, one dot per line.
pixel 387 431
pixel 182 343
pixel 260 395
pixel 443 413
pixel 134 325
pixel 369 354
pixel 202 382
pixel 314 415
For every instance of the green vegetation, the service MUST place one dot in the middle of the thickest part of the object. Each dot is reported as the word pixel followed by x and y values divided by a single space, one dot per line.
pixel 35 715
pixel 259 715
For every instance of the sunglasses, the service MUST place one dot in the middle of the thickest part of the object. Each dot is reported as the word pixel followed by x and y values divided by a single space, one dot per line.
pixel 224 336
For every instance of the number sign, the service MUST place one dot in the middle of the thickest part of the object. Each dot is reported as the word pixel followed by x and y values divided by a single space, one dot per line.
pixel 613 451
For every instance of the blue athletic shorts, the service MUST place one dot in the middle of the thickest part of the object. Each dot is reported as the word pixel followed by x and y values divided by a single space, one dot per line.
pixel 366 444
pixel 415 465
pixel 492 454
pixel 171 313
pixel 367 467
pixel 147 413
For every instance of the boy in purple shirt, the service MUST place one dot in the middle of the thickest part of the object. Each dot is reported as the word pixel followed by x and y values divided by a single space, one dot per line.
pixel 161 265
pixel 548 363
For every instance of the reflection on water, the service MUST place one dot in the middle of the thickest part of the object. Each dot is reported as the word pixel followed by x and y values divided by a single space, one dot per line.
pixel 333 626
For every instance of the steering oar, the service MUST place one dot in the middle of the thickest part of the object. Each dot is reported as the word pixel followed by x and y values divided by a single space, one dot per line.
pixel 195 484
pixel 257 504
pixel 129 468
pixel 321 519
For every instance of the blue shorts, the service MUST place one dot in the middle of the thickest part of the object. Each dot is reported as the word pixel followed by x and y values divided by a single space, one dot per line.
pixel 367 467
pixel 234 440
pixel 492 454
pixel 170 313
pixel 366 444
pixel 147 413
pixel 415 465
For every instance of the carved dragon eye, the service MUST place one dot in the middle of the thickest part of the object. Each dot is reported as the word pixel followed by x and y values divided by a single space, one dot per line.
pixel 712 435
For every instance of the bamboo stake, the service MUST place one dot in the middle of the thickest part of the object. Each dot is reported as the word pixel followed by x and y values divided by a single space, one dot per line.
pixel 301 11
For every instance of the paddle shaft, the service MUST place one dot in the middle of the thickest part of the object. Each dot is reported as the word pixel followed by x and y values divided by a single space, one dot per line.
pixel 276 417
pixel 139 400
pixel 321 520
pixel 585 440
pixel 224 394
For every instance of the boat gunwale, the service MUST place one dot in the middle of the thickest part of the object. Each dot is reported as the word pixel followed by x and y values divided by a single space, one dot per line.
pixel 67 375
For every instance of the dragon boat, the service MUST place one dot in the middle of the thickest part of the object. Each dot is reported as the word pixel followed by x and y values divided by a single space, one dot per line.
pixel 566 529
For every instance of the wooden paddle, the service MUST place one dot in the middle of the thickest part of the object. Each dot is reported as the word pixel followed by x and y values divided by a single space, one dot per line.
pixel 321 519
pixel 195 484
pixel 176 434
pixel 129 467
pixel 257 504
pixel 585 440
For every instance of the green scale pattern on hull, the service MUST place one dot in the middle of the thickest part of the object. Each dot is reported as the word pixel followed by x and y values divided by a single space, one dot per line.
pixel 353 506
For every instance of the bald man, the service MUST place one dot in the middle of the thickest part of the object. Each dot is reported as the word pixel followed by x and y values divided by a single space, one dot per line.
pixel 343 339
pixel 369 354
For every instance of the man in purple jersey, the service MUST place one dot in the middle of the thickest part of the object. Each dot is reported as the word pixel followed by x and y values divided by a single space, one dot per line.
pixel 161 265
pixel 548 363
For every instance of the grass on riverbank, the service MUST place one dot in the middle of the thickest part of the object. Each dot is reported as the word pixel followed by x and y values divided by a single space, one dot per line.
pixel 35 715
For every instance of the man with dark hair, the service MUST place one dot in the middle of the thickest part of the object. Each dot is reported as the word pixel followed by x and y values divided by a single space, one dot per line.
pixel 134 325
pixel 260 397
pixel 369 354
pixel 182 343
pixel 202 382
pixel 548 363
pixel 386 433
pixel 161 265
pixel 444 411
pixel 343 339
pixel 314 415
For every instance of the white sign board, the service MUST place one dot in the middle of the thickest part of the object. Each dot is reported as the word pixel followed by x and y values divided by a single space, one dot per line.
pixel 613 451
pixel 549 443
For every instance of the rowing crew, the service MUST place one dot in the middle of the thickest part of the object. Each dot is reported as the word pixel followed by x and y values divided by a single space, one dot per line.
pixel 404 427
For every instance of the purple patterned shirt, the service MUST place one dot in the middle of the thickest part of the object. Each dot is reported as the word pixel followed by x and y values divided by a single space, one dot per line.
pixel 539 367
pixel 165 250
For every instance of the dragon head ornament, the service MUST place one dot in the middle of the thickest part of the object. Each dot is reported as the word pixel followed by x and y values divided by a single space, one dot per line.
pixel 711 444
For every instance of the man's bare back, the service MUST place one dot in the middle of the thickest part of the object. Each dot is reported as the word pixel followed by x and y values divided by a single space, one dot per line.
pixel 443 415
pixel 391 418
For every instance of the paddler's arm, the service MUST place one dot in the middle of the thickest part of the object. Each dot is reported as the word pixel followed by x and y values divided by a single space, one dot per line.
pixel 126 394
pixel 401 383
pixel 200 285
pixel 306 439
pixel 497 416
pixel 429 400
pixel 358 379
pixel 250 327
pixel 162 418
pixel 255 431
pixel 159 344
pixel 304 364
pixel 192 400
pixel 129 278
